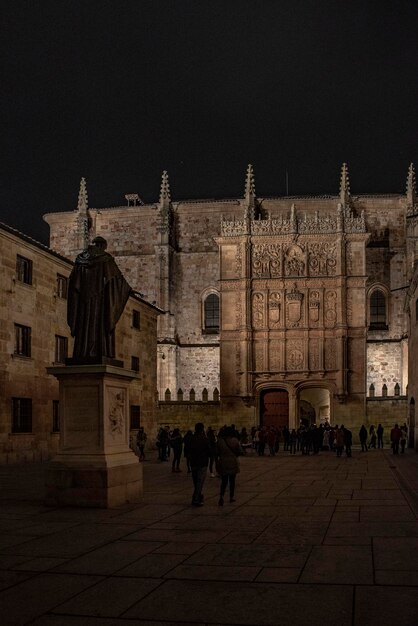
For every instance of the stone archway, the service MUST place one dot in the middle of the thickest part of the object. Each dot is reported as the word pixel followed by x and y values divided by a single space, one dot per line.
pixel 274 408
pixel 315 405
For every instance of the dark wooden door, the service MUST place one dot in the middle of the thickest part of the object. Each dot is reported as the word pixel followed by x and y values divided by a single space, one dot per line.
pixel 275 408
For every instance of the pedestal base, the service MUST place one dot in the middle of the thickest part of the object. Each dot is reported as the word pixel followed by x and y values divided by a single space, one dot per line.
pixel 89 486
pixel 95 466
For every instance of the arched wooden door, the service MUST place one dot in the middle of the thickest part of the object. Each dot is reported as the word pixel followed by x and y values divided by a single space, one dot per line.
pixel 274 408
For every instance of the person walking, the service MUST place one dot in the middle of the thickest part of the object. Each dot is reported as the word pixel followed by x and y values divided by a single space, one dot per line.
pixel 339 440
pixel 363 438
pixel 380 430
pixel 186 440
pixel 404 437
pixel 199 459
pixel 293 437
pixel 163 439
pixel 141 439
pixel 348 440
pixel 228 451
pixel 395 436
pixel 211 435
pixel 176 444
pixel 372 434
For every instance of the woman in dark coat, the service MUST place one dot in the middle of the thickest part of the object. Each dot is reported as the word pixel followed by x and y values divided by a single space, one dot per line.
pixel 227 464
pixel 363 438
pixel 176 444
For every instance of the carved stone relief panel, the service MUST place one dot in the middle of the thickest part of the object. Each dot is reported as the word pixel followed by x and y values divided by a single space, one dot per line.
pixel 274 309
pixel 294 312
pixel 258 310
pixel 266 260
pixel 294 261
pixel 116 412
pixel 275 356
pixel 330 308
pixel 238 310
pixel 294 354
pixel 349 305
pixel 314 299
pixel 229 306
pixel 238 260
pixel 330 354
pixel 228 261
pixel 349 258
pixel 314 361
pixel 259 364
pixel 322 259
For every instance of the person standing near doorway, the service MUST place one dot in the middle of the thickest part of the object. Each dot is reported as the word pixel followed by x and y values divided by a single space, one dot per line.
pixel 199 459
pixel 379 432
pixel 228 451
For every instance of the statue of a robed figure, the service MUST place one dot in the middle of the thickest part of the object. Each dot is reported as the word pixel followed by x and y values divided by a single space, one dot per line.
pixel 97 295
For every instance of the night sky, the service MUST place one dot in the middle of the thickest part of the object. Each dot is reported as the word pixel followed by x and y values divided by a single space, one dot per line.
pixel 119 90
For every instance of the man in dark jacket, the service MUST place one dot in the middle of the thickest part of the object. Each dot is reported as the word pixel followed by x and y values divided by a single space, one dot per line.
pixel 199 459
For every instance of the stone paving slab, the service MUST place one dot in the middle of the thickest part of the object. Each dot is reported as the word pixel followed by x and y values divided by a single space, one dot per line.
pixel 269 558
pixel 386 606
pixel 39 594
pixel 108 559
pixel 248 603
pixel 109 598
pixel 339 564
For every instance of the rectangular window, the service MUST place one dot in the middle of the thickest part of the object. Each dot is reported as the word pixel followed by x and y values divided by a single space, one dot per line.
pixel 136 319
pixel 62 286
pixel 61 349
pixel 21 415
pixel 24 270
pixel 55 416
pixel 135 416
pixel 135 363
pixel 22 340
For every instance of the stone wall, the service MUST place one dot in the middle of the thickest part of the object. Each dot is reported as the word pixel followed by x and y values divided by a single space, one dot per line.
pixel 386 411
pixel 385 366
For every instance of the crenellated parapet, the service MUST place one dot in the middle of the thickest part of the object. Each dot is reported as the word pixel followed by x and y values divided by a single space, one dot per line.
pixel 343 221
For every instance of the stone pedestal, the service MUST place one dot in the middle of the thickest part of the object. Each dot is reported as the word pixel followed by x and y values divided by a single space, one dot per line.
pixel 95 466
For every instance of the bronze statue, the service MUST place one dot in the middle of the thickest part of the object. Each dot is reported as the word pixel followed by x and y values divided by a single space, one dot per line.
pixel 97 295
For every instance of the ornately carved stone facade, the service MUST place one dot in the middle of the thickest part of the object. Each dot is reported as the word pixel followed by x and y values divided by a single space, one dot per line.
pixel 312 293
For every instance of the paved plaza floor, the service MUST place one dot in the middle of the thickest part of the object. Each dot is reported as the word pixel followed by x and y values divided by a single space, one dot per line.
pixel 309 540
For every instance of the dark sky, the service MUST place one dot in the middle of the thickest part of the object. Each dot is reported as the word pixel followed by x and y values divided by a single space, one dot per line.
pixel 118 90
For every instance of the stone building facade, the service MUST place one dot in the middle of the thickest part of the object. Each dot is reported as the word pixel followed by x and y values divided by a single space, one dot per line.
pixel 291 307
pixel 34 335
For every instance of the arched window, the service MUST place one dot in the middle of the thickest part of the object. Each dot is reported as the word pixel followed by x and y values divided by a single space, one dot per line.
pixel 378 310
pixel 211 313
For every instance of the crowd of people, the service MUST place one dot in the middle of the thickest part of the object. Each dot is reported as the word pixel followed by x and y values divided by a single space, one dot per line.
pixel 219 451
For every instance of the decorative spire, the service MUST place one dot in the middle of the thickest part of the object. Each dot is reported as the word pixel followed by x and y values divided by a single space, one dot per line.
pixel 411 186
pixel 165 195
pixel 83 203
pixel 344 186
pixel 164 207
pixel 249 194
pixel 250 184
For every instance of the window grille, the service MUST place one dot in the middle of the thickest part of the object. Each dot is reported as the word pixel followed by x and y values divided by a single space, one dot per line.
pixel 24 270
pixel 212 312
pixel 22 340
pixel 21 415
pixel 61 349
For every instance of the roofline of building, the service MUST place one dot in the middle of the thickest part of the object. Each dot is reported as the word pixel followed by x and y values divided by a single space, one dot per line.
pixel 237 201
pixel 33 242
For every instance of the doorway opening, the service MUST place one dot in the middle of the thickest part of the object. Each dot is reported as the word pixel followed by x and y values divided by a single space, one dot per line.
pixel 314 406
pixel 274 408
